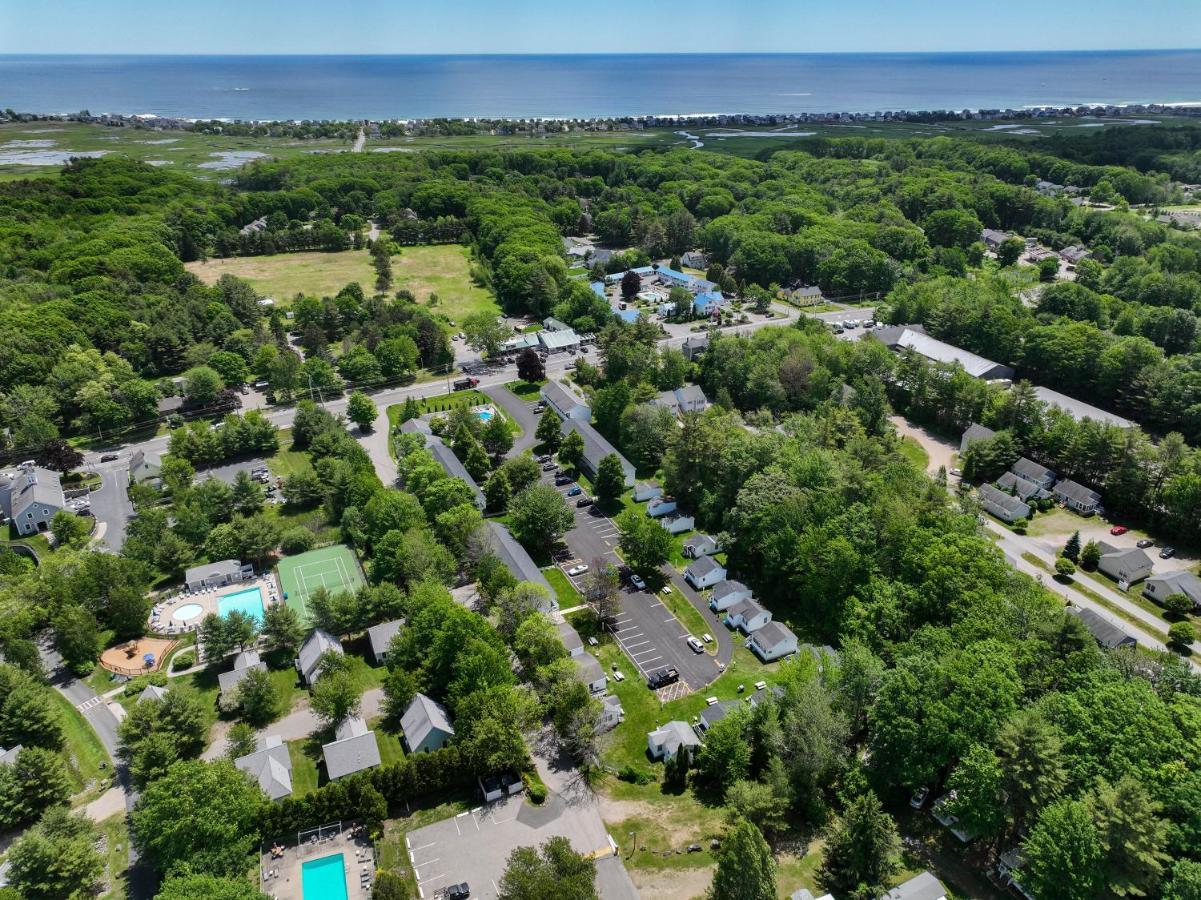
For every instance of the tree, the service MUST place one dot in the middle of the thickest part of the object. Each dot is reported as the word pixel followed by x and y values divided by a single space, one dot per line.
pixel 610 479
pixel 745 867
pixel 676 769
pixel 571 450
pixel 539 516
pixel 725 757
pixel 77 637
pixel 303 490
pixel 644 543
pixel 601 589
pixel 247 494
pixel 548 873
pixel 282 629
pixel 209 887
pixel 1179 605
pixel 1071 549
pixel 1033 772
pixel 1090 556
pixel 257 700
pixel 975 786
pixel 1133 834
pixel 36 781
pixel 1185 883
pixel 1048 269
pixel 1181 635
pixel 60 456
pixel 56 859
pixel 497 490
pixel 548 433
pixel 530 367
pixel 1063 853
pixel 485 334
pixel 765 803
pixel 861 851
pixel 361 410
pixel 242 740
pixel 631 284
pixel 201 386
pixel 69 529
pixel 220 830
pixel 1010 250
pixel 497 438
pixel 1064 567
pixel 335 697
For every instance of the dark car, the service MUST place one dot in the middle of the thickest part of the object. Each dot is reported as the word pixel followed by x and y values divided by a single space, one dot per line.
pixel 110 457
pixel 1145 543
pixel 458 891
pixel 561 480
pixel 1167 552
pixel 662 677
pixel 584 501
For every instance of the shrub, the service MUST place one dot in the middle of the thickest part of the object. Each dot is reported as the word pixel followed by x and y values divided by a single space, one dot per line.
pixel 1178 604
pixel 139 683
pixel 183 661
pixel 1180 635
pixel 1064 567
pixel 634 775
pixel 297 540
pixel 535 787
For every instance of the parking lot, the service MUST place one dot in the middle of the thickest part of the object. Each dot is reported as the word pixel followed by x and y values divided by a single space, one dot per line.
pixel 474 846
pixel 649 633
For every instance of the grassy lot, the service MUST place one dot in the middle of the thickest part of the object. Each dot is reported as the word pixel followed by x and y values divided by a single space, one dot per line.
pixel 390 748
pixel 442 271
pixel 116 857
pixel 285 463
pixel 683 610
pixel 914 452
pixel 528 391
pixel 565 591
pixel 83 753
pixel 304 768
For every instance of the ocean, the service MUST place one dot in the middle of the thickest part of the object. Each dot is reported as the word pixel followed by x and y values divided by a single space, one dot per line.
pixel 388 87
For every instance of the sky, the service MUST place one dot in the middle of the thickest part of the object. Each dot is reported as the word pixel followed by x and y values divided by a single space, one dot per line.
pixel 607 26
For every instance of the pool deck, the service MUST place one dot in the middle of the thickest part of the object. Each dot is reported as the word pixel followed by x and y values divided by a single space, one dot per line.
pixel 162 620
pixel 357 857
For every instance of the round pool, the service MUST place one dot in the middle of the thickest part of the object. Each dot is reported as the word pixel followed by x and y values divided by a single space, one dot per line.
pixel 187 612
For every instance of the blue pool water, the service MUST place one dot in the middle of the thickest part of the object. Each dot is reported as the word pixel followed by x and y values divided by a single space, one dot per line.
pixel 249 601
pixel 484 414
pixel 324 879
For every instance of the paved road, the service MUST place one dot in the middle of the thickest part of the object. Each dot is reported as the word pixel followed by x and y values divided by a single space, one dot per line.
pixel 520 412
pixel 299 723
pixel 110 503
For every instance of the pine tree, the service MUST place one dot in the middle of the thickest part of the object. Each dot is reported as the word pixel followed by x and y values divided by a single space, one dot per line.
pixel 548 432
pixel 1071 549
pixel 745 867
pixel 861 850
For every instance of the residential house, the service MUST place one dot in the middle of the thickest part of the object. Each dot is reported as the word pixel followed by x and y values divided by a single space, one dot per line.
pixel 711 715
pixel 453 467
pixel 353 749
pixel 914 337
pixel 519 563
pixel 992 238
pixel 152 694
pixel 612 714
pixel 661 506
pixel 805 295
pixel 726 594
pixel 30 497
pixel 666 740
pixel 677 523
pixel 380 637
pixel 708 302
pixel 974 433
pixel 143 468
pixel 1005 507
pixel 695 259
pixel 700 545
pixel 1160 587
pixel 646 490
pixel 217 574
pixel 1077 497
pixel 921 887
pixel 9 757
pixel 704 572
pixel 694 345
pixel 1009 865
pixel 1103 631
pixel 554 341
pixel 1072 255
pixel 244 663
pixel 689 398
pixel 596 448
pixel 314 647
pixel 1012 483
pixel 550 323
pixel 1032 471
pixel 270 765
pixel 572 642
pixel 565 402
pixel 747 616
pixel 773 692
pixel 773 641
pixel 599 256
pixel 415 426
pixel 1078 409
pixel 426 725
pixel 590 672
pixel 1124 564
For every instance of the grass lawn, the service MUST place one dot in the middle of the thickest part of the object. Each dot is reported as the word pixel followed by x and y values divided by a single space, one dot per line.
pixel 442 403
pixel 83 753
pixel 915 453
pixel 439 273
pixel 565 591
pixel 682 608
pixel 390 748
pixel 285 463
pixel 528 391
pixel 116 857
pixel 304 769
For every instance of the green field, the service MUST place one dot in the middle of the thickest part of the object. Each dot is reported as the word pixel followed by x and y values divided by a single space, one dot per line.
pixel 334 568
pixel 442 272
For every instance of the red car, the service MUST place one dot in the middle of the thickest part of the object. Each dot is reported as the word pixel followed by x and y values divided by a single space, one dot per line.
pixel 1118 529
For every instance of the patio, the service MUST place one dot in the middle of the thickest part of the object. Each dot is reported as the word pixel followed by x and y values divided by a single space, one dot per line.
pixel 185 611
pixel 281 866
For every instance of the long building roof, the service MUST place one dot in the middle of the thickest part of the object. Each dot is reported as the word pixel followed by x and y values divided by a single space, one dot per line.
pixel 1078 409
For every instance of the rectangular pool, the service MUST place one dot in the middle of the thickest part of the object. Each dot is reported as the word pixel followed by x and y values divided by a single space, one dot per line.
pixel 249 601
pixel 324 879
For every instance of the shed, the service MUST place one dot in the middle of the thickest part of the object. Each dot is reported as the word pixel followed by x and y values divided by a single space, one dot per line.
pixel 647 490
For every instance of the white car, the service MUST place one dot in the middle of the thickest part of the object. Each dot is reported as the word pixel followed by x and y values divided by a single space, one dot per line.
pixel 577 570
pixel 617 676
pixel 697 646
pixel 707 638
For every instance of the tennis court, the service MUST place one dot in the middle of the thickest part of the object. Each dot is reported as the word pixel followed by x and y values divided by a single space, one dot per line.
pixel 333 568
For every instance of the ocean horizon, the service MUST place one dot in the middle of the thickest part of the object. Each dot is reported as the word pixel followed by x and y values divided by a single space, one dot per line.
pixel 278 87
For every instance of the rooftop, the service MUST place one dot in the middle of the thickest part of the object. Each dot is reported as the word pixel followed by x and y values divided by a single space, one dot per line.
pixel 1078 409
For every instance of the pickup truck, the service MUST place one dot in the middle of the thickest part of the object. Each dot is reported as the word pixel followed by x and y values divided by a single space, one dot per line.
pixel 662 677
pixel 466 384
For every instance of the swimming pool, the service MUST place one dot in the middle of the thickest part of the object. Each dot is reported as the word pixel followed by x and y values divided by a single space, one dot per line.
pixel 249 601
pixel 324 879
pixel 485 414
pixel 187 612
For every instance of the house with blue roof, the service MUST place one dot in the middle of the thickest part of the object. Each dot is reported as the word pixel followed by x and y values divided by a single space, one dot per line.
pixel 708 302
pixel 677 279
pixel 641 271
pixel 598 288
pixel 628 315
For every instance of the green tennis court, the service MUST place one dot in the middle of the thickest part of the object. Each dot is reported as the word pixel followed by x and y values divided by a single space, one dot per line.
pixel 333 568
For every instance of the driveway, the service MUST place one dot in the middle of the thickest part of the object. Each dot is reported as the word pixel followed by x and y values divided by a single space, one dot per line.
pixel 646 630
pixel 940 450
pixel 110 502
pixel 521 412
